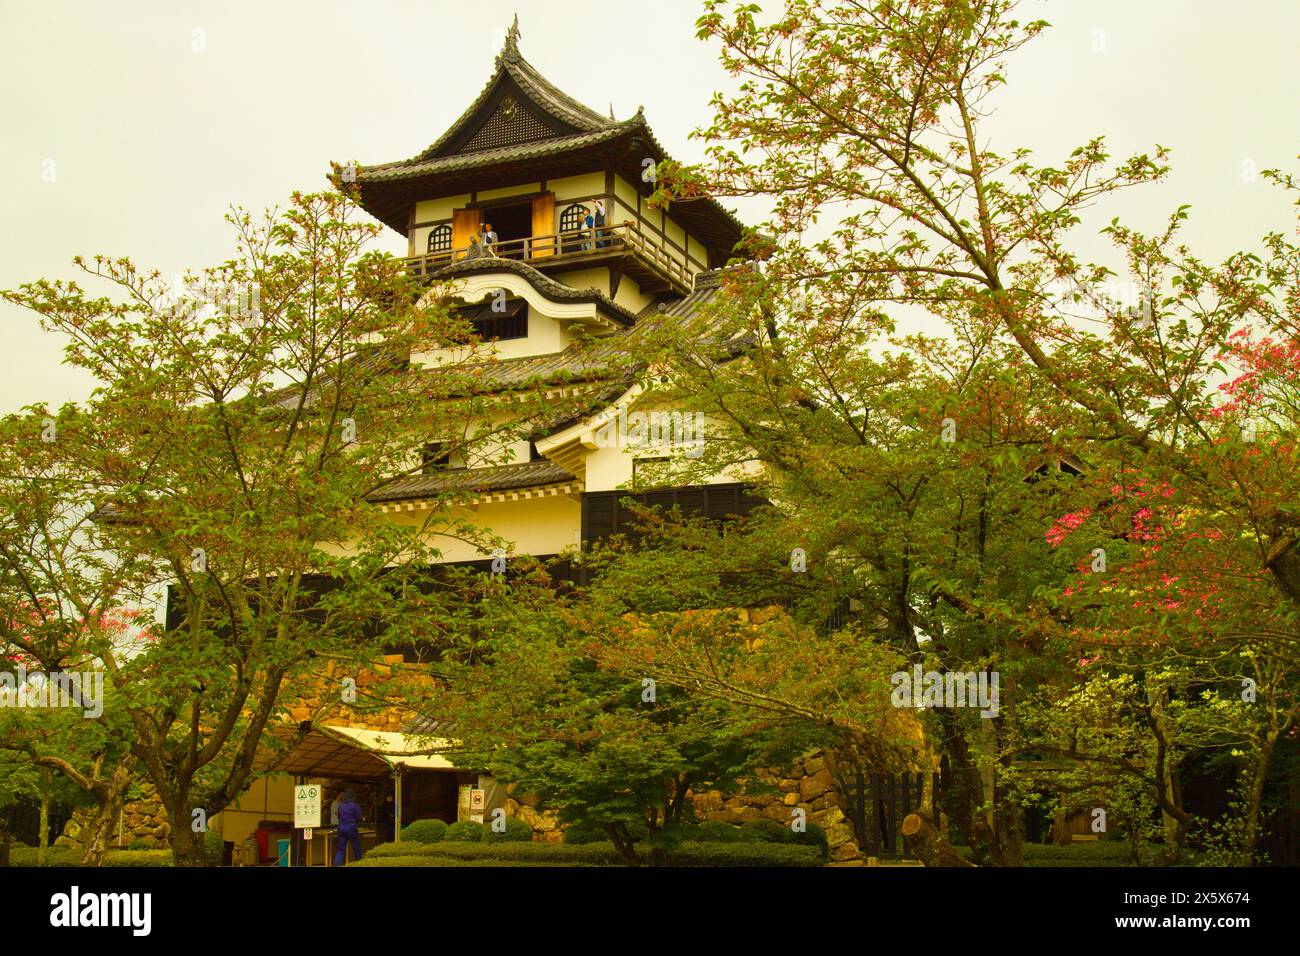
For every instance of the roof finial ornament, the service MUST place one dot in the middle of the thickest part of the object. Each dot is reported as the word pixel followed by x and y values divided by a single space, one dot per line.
pixel 611 109
pixel 512 38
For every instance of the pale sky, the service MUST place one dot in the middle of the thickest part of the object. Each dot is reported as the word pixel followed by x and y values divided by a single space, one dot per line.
pixel 153 117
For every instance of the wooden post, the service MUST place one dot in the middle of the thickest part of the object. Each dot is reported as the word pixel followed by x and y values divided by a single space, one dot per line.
pixel 891 846
pixel 877 822
pixel 397 802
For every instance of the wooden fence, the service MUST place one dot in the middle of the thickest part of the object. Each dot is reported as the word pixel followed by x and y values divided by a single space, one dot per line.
pixel 882 802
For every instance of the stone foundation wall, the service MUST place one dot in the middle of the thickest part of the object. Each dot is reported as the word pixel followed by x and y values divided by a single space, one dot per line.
pixel 144 820
pixel 808 787
pixel 546 826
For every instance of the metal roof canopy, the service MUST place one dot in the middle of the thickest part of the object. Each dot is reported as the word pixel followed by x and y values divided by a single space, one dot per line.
pixel 351 753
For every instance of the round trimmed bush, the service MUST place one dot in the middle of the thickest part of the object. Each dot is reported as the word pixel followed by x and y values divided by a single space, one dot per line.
pixel 814 836
pixel 583 833
pixel 464 831
pixel 425 831
pixel 714 831
pixel 516 831
pixel 768 831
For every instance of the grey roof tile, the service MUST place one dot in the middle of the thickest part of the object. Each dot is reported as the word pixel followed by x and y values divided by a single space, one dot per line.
pixel 556 291
pixel 527 474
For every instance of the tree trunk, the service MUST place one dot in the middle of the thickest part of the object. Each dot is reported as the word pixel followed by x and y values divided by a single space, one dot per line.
pixel 930 846
pixel 109 800
pixel 622 840
pixel 1255 799
pixel 964 801
pixel 658 857
pixel 1009 849
pixel 187 846
pixel 1008 820
pixel 43 840
pixel 1168 791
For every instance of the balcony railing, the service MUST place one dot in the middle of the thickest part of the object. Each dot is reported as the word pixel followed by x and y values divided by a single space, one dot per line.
pixel 563 247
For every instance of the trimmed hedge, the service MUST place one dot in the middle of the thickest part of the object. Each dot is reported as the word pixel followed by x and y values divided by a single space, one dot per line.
pixel 763 831
pixel 464 831
pixel 555 854
pixel 440 861
pixel 424 831
pixel 583 834
pixel 54 856
pixel 755 854
pixel 768 831
pixel 694 854
pixel 141 858
pixel 516 831
pixel 64 856
pixel 715 831
pixel 814 836
pixel 1097 853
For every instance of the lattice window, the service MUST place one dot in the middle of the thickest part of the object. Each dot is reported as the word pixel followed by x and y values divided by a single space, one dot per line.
pixel 440 239
pixel 574 217
pixel 508 125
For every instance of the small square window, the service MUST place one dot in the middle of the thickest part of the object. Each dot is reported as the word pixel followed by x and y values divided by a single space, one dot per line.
pixel 435 456
pixel 643 467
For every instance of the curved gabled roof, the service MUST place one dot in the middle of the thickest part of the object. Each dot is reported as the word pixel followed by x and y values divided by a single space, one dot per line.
pixel 523 127
pixel 428 163
pixel 539 90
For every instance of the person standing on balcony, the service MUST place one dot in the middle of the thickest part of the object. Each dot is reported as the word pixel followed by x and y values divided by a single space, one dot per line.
pixel 590 222
pixel 599 223
pixel 489 240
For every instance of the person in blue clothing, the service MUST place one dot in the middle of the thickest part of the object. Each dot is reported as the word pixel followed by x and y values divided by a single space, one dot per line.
pixel 349 828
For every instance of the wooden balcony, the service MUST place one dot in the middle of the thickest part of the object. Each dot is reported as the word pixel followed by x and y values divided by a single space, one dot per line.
pixel 622 247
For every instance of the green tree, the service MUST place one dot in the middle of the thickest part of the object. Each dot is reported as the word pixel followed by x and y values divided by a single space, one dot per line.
pixel 531 703
pixel 238 426
pixel 870 119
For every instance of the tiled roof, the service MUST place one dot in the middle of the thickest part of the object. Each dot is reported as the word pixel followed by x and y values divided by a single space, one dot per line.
pixel 539 89
pixel 589 130
pixel 553 290
pixel 373 362
pixel 605 358
pixel 424 166
pixel 527 474
pixel 594 359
